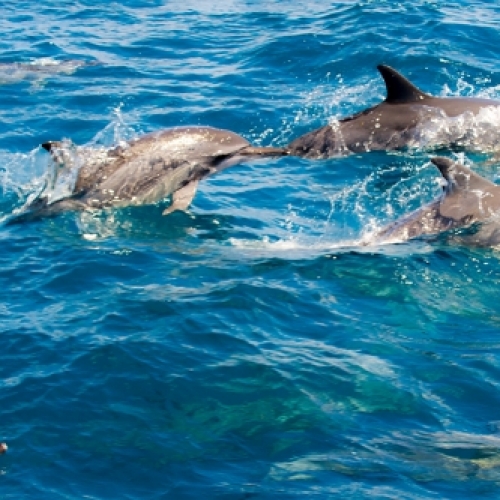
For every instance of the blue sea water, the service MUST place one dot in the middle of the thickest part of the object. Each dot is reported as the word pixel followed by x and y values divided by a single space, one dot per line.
pixel 251 348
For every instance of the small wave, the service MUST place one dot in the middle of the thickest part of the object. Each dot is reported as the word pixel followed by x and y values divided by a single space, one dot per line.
pixel 292 246
pixel 290 249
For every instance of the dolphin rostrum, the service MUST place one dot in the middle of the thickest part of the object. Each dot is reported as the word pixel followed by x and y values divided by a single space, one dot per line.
pixel 467 199
pixel 147 170
pixel 395 123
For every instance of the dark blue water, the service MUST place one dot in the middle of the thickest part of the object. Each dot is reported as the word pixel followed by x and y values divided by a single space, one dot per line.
pixel 252 348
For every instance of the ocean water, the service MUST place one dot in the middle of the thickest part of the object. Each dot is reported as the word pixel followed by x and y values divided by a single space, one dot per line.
pixel 252 348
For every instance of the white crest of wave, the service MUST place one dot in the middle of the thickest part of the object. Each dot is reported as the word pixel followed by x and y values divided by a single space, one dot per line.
pixel 292 246
pixel 311 248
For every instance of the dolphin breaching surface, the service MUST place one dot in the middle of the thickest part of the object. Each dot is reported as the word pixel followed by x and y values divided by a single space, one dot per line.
pixel 467 199
pixel 249 250
pixel 399 121
pixel 145 171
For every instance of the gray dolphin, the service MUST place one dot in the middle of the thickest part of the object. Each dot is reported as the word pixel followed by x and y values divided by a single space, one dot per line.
pixel 147 170
pixel 467 199
pixel 392 124
pixel 40 68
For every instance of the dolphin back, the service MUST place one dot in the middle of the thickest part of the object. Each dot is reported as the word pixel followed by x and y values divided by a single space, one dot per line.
pixel 467 199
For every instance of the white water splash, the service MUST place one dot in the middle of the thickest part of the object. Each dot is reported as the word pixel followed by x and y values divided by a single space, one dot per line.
pixel 326 104
pixel 473 132
pixel 22 178
pixel 27 177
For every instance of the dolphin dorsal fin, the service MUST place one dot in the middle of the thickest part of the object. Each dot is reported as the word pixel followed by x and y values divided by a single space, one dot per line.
pixel 460 177
pixel 399 88
pixel 468 197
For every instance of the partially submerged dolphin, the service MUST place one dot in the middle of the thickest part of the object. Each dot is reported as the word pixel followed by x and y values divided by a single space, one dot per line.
pixel 37 69
pixel 467 199
pixel 147 170
pixel 393 124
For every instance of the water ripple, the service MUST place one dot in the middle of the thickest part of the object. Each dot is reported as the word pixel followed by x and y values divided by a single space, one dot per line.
pixel 251 347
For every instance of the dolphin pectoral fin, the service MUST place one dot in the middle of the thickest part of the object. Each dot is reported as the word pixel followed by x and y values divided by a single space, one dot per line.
pixel 182 198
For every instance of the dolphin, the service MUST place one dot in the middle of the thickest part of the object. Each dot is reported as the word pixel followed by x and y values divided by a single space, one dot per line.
pixel 467 200
pixel 145 171
pixel 394 123
pixel 40 68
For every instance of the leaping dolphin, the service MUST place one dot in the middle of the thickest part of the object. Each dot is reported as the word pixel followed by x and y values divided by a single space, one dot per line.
pixel 467 199
pixel 392 124
pixel 147 170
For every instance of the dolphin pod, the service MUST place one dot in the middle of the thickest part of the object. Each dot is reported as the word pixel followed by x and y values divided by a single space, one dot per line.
pixel 468 199
pixel 392 124
pixel 148 169
pixel 173 161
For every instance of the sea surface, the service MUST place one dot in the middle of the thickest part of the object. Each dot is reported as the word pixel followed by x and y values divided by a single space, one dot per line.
pixel 253 347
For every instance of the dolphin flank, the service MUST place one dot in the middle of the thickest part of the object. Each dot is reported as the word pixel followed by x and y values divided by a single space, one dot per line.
pixel 467 199
pixel 392 124
pixel 148 169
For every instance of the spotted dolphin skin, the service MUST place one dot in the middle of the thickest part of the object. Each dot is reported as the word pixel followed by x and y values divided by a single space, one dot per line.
pixel 392 124
pixel 166 163
pixel 468 199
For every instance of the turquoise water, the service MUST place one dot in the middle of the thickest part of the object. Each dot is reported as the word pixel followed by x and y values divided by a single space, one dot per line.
pixel 252 348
